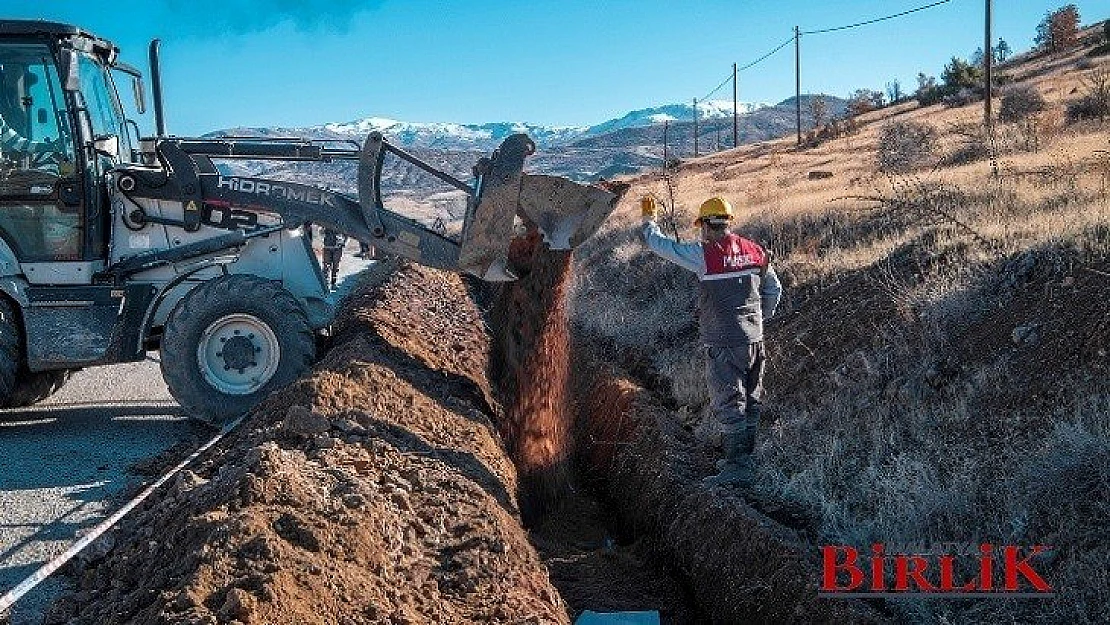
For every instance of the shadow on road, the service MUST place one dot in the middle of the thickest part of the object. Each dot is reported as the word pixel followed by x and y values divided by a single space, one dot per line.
pixel 60 467
pixel 101 410
pixel 83 447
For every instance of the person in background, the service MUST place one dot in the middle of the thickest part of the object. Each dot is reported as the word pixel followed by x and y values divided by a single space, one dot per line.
pixel 737 291
pixel 333 253
pixel 365 251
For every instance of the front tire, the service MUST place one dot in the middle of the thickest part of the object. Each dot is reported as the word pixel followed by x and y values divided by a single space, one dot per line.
pixel 232 341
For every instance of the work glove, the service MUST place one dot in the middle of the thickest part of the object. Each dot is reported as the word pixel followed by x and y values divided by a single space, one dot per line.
pixel 649 208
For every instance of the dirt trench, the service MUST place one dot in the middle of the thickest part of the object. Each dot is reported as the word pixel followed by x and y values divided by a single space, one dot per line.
pixel 379 489
pixel 389 486
pixel 593 561
pixel 375 490
pixel 573 421
pixel 740 565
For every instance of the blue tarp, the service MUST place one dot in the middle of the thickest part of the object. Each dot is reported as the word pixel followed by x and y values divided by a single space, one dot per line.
pixel 618 618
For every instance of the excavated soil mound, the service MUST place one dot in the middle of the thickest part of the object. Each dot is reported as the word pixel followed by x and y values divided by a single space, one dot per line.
pixel 741 566
pixel 373 491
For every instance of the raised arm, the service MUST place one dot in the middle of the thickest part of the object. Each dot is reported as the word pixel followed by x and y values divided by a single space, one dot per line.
pixel 686 255
pixel 689 256
pixel 770 292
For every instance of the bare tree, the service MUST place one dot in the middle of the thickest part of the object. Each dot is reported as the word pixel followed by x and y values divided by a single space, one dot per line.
pixel 905 145
pixel 1021 105
pixel 894 91
pixel 819 109
pixel 863 101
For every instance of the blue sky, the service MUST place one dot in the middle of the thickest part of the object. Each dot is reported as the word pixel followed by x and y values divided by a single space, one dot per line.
pixel 304 62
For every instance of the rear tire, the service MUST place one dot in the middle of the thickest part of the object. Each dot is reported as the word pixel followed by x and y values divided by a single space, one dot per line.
pixel 33 387
pixel 11 351
pixel 230 342
pixel 20 387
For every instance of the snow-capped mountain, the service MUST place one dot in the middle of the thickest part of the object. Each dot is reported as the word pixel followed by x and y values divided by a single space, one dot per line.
pixel 445 135
pixel 623 145
pixel 484 137
pixel 710 109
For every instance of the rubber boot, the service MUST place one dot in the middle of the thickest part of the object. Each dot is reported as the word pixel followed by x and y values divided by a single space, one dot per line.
pixel 736 467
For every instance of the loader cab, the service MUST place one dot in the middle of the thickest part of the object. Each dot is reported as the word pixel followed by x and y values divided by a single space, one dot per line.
pixel 62 127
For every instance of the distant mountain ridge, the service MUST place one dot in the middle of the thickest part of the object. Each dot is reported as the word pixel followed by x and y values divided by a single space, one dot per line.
pixel 451 135
pixel 618 146
pixel 487 136
pixel 656 115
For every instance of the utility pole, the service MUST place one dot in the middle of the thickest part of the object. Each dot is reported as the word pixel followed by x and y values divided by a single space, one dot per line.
pixel 798 81
pixel 666 158
pixel 718 129
pixel 735 110
pixel 695 127
pixel 988 62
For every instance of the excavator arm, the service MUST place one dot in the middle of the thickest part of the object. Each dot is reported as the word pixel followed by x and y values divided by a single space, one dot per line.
pixel 182 170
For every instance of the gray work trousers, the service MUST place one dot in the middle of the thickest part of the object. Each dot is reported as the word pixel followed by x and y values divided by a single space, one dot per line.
pixel 735 376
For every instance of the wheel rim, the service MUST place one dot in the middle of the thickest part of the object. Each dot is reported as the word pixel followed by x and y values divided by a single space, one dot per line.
pixel 238 354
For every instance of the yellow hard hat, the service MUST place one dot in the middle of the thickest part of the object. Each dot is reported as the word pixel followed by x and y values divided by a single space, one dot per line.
pixel 714 208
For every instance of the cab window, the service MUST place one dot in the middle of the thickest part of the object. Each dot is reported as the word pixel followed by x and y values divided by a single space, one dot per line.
pixel 105 113
pixel 36 155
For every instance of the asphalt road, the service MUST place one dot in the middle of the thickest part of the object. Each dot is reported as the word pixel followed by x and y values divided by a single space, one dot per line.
pixel 63 461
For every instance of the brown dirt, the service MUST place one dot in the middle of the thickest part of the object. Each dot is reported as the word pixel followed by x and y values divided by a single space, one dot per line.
pixel 530 370
pixel 373 491
pixel 594 568
pixel 576 535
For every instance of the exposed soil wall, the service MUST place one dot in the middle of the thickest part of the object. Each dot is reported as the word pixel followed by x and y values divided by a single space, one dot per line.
pixel 741 566
pixel 376 490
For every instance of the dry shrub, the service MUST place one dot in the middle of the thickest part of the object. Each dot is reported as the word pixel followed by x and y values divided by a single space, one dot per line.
pixel 962 97
pixel 1095 103
pixel 1020 102
pixel 905 145
pixel 973 143
pixel 684 368
pixel 1067 482
pixel 1063 500
pixel 645 303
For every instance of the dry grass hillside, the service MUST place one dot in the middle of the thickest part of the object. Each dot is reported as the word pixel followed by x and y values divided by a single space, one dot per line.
pixel 938 367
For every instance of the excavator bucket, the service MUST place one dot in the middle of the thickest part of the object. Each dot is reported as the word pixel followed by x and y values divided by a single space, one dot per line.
pixel 565 212
pixel 484 247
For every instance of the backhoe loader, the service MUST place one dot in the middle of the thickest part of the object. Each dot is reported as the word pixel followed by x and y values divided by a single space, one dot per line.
pixel 113 245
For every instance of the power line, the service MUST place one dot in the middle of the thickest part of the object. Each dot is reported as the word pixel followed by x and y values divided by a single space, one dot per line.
pixel 796 38
pixel 825 30
pixel 766 56
pixel 873 21
pixel 724 82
